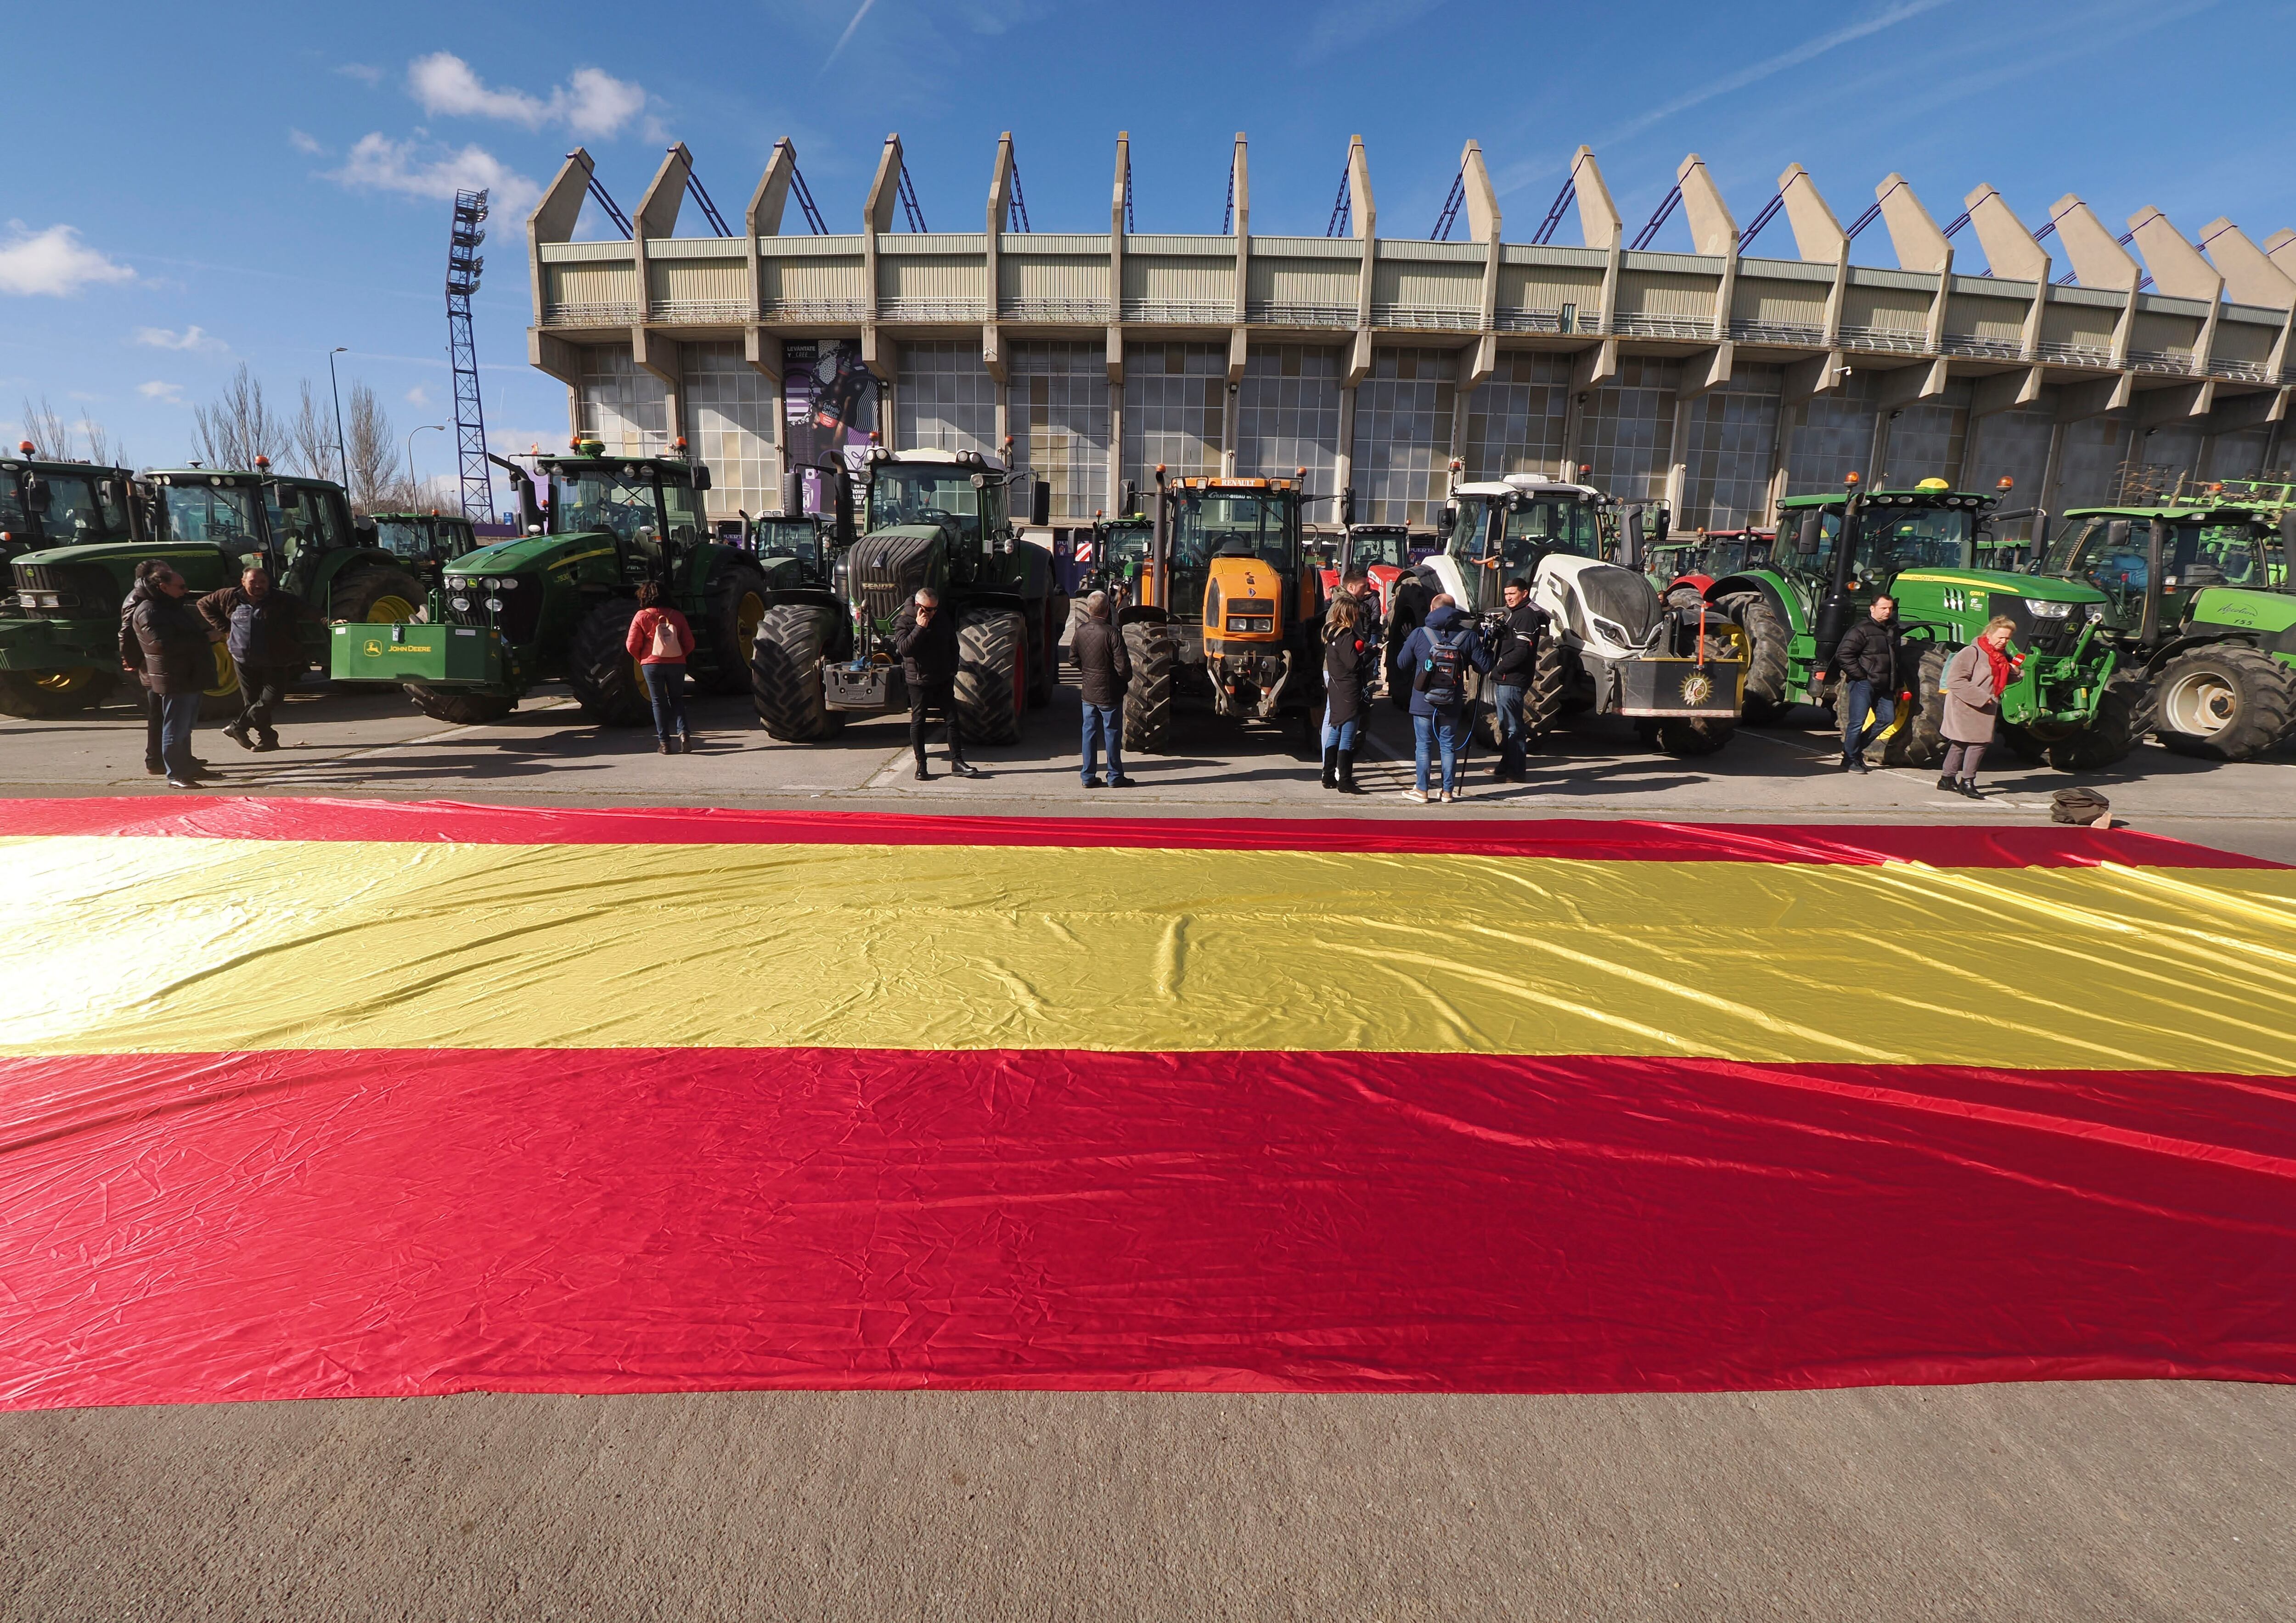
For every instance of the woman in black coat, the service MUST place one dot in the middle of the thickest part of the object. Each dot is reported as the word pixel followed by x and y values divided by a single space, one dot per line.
pixel 1349 657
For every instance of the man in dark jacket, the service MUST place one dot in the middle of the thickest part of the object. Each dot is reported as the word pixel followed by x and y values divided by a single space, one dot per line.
pixel 175 643
pixel 925 637
pixel 1433 671
pixel 1414 597
pixel 1511 670
pixel 131 660
pixel 1869 658
pixel 258 623
pixel 1104 671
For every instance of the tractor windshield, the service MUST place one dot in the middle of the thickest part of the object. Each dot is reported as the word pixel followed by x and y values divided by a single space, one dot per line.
pixel 926 494
pixel 1127 543
pixel 406 537
pixel 1231 524
pixel 786 538
pixel 1373 548
pixel 629 505
pixel 1893 538
pixel 69 509
pixel 302 518
pixel 220 515
pixel 1536 526
pixel 2113 554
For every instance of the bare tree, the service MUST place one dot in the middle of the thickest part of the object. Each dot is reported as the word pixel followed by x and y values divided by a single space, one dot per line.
pixel 46 430
pixel 313 433
pixel 102 449
pixel 376 482
pixel 239 427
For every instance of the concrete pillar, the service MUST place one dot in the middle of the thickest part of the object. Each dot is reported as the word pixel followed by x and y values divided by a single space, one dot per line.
pixel 1678 470
pixel 1346 467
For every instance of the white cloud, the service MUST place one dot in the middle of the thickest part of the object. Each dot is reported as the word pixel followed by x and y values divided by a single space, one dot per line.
pixel 1351 22
pixel 54 262
pixel 379 163
pixel 165 394
pixel 362 73
pixel 194 338
pixel 418 395
pixel 302 143
pixel 838 49
pixel 591 102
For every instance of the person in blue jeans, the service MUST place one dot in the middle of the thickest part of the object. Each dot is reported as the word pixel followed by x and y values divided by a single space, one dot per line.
pixel 1515 664
pixel 1871 659
pixel 1104 671
pixel 1436 660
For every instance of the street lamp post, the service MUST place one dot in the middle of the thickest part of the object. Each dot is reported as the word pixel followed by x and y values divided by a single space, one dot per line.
pixel 341 456
pixel 411 479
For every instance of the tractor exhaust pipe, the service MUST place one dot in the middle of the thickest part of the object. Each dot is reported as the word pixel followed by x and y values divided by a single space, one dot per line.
pixel 1833 613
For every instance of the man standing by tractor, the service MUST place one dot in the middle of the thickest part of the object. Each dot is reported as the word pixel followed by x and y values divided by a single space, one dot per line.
pixel 1104 671
pixel 256 622
pixel 926 640
pixel 174 645
pixel 1869 658
pixel 1511 673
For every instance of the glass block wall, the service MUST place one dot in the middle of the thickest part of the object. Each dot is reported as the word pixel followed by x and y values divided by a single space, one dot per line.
pixel 1628 430
pixel 1287 418
pixel 1174 402
pixel 729 414
pixel 1057 407
pixel 1516 417
pixel 1403 435
pixel 2009 445
pixel 944 399
pixel 1830 436
pixel 1925 442
pixel 623 408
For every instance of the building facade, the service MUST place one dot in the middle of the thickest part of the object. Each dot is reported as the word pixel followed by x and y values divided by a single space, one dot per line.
pixel 1719 381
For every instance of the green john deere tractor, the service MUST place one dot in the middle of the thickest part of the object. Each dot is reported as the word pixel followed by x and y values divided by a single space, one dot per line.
pixel 60 653
pixel 556 602
pixel 1120 552
pixel 424 543
pixel 2074 703
pixel 928 518
pixel 2195 599
pixel 67 508
pixel 790 548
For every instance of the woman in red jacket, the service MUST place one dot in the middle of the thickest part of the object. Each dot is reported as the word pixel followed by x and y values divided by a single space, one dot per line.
pixel 660 641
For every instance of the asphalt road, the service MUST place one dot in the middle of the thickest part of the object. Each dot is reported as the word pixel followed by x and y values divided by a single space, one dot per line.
pixel 2074 1500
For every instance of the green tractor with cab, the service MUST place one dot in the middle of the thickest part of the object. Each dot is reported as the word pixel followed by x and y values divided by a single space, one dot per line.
pixel 1120 552
pixel 927 518
pixel 790 549
pixel 2075 703
pixel 2197 599
pixel 556 602
pixel 424 543
pixel 59 650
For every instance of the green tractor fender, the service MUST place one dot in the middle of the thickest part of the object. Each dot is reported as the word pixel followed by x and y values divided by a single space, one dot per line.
pixel 1773 588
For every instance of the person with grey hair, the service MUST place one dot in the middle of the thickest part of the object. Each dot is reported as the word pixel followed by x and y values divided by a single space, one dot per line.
pixel 925 637
pixel 1104 671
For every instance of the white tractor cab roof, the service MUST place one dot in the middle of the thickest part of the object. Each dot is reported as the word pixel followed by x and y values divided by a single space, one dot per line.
pixel 961 459
pixel 1527 484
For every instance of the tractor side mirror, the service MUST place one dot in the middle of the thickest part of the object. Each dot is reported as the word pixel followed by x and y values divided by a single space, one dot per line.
pixel 1630 539
pixel 1809 533
pixel 2288 533
pixel 2117 535
pixel 1661 526
pixel 37 497
pixel 1040 504
pixel 700 476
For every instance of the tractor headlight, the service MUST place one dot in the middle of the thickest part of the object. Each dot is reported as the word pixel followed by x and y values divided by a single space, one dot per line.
pixel 2042 609
pixel 460 605
pixel 494 605
pixel 509 583
pixel 1611 630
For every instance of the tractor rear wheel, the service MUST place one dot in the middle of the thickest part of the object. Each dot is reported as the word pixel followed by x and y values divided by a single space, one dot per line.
pixel 600 670
pixel 1689 735
pixel 377 595
pixel 992 676
pixel 2111 732
pixel 1924 734
pixel 1550 686
pixel 1766 661
pixel 786 655
pixel 2225 702
pixel 39 695
pixel 1148 699
pixel 732 612
pixel 460 709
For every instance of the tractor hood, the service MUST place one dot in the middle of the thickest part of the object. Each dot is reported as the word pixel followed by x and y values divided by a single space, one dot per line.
pixel 1608 606
pixel 522 554
pixel 2041 588
pixel 109 552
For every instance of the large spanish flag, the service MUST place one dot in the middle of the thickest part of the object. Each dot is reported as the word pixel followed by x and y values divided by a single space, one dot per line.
pixel 304 1098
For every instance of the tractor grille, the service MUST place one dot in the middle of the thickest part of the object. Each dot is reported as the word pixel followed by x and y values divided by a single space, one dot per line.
pixel 66 591
pixel 884 571
pixel 521 607
pixel 1620 595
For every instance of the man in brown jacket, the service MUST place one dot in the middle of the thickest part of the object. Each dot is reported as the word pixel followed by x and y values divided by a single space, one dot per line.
pixel 1104 671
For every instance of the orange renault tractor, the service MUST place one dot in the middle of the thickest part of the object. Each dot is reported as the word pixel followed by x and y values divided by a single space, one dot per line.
pixel 1230 608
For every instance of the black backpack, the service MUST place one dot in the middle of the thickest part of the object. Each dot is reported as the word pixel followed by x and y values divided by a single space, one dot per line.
pixel 1442 673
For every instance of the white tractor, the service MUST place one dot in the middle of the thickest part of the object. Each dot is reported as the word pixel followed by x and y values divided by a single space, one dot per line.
pixel 1616 648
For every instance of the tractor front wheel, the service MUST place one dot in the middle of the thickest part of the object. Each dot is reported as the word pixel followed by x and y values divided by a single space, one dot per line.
pixel 460 709
pixel 786 658
pixel 1768 637
pixel 2111 732
pixel 39 695
pixel 2225 702
pixel 376 595
pixel 992 676
pixel 1148 698
pixel 1550 687
pixel 600 670
pixel 1683 736
pixel 734 610
pixel 1924 733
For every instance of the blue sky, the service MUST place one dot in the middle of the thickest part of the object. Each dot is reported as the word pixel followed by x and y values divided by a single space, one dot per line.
pixel 194 187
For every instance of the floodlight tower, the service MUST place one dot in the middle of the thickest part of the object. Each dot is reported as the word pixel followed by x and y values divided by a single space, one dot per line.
pixel 463 267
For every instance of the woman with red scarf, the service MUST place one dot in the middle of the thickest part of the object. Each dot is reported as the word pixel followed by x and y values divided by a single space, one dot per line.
pixel 1974 681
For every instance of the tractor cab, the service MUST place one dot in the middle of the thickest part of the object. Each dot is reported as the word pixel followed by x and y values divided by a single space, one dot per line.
pixel 46 504
pixel 1505 529
pixel 424 542
pixel 1382 552
pixel 1932 526
pixel 788 547
pixel 2122 550
pixel 648 504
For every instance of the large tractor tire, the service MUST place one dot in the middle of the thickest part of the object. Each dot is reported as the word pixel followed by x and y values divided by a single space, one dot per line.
pixel 1684 736
pixel 992 676
pixel 2225 702
pixel 786 655
pixel 1044 662
pixel 600 670
pixel 1923 743
pixel 460 709
pixel 732 612
pixel 2122 711
pixel 1768 638
pixel 221 700
pixel 376 594
pixel 1148 699
pixel 45 694
pixel 1546 698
